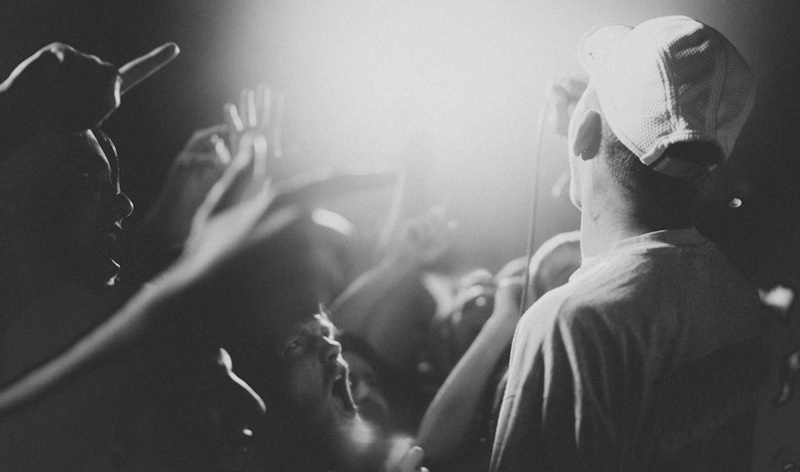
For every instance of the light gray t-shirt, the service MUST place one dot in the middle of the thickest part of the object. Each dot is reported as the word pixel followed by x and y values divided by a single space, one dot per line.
pixel 646 360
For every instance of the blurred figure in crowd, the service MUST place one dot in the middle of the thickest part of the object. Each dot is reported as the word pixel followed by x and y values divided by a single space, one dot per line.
pixel 390 310
pixel 61 209
pixel 367 381
pixel 458 428
pixel 287 348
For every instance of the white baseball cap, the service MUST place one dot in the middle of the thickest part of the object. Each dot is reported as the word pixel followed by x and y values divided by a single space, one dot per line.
pixel 666 81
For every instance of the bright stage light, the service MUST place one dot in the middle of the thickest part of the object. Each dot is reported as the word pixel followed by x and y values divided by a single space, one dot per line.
pixel 449 88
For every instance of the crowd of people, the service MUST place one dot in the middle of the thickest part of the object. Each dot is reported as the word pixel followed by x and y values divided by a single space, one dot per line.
pixel 255 330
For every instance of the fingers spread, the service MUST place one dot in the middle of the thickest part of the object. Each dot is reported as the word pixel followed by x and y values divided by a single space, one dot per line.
pixel 244 178
pixel 263 104
pixel 233 119
pixel 412 460
pixel 249 108
pixel 205 140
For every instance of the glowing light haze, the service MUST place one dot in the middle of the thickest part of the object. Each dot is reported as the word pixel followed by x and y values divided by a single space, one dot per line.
pixel 456 85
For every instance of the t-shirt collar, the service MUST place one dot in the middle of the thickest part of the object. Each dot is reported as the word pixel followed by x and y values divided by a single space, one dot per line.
pixel 686 237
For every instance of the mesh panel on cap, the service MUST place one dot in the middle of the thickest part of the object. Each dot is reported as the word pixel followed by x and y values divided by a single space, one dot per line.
pixel 738 90
pixel 633 96
pixel 694 77
pixel 672 80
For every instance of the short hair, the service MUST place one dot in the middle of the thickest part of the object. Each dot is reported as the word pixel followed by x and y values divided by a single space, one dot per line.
pixel 660 199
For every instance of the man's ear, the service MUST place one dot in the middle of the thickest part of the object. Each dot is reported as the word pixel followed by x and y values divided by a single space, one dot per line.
pixel 588 131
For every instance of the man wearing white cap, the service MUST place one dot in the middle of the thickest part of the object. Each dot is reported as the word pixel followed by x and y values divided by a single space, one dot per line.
pixel 648 358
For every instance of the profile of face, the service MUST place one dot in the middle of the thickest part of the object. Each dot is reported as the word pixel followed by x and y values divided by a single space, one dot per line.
pixel 73 206
pixel 313 389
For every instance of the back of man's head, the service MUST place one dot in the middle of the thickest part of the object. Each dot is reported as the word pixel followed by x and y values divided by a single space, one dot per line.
pixel 660 199
pixel 674 94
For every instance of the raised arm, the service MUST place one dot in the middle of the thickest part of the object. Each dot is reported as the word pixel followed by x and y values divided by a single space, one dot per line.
pixel 369 306
pixel 446 421
pixel 196 169
pixel 236 214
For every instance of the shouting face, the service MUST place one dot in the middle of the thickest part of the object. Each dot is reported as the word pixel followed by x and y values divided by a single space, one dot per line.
pixel 313 389
pixel 316 373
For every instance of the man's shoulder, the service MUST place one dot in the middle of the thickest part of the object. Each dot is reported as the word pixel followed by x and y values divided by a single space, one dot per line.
pixel 656 274
pixel 589 291
pixel 557 310
pixel 546 308
pixel 632 292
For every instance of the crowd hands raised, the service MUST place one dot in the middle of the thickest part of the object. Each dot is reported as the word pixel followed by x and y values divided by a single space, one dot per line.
pixel 254 330
pixel 133 369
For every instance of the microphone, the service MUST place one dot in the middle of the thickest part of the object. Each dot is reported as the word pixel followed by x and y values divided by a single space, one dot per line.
pixel 562 95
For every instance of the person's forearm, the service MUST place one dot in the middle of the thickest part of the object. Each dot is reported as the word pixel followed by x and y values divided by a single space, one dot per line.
pixel 353 309
pixel 445 423
pixel 153 251
pixel 110 337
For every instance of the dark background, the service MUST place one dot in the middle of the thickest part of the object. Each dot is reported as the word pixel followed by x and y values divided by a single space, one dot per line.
pixel 451 89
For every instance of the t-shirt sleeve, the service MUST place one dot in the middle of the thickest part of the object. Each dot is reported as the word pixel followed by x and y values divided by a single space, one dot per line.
pixel 559 408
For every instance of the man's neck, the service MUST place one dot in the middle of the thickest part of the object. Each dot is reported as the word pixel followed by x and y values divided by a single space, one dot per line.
pixel 606 221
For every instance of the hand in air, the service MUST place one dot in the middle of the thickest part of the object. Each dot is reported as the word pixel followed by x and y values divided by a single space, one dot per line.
pixel 60 89
pixel 204 159
pixel 260 112
pixel 507 300
pixel 427 237
pixel 410 461
pixel 236 212
pixel 562 95
pixel 197 168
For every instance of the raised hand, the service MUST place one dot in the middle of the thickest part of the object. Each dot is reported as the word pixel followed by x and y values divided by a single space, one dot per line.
pixel 239 212
pixel 234 212
pixel 409 461
pixel 562 95
pixel 205 157
pixel 260 112
pixel 197 168
pixel 427 237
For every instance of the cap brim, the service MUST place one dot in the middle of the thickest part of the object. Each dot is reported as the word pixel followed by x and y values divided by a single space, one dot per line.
pixel 143 67
pixel 595 44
